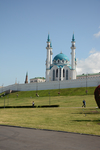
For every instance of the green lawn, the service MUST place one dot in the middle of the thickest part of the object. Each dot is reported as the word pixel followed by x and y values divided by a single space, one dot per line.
pixel 70 116
pixel 54 92
pixel 62 101
pixel 65 119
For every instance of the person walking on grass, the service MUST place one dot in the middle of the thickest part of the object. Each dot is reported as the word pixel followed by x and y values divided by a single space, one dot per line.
pixel 84 103
pixel 33 103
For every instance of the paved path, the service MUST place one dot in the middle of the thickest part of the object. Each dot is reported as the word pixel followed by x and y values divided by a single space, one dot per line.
pixel 16 138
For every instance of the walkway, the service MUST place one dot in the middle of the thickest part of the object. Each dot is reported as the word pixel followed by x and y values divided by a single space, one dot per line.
pixel 16 138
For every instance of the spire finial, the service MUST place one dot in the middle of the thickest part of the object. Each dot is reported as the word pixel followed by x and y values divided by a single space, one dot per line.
pixel 26 79
pixel 48 40
pixel 50 44
pixel 73 39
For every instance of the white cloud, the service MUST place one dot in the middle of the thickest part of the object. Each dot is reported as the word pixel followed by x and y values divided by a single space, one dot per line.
pixel 89 65
pixel 97 34
pixel 92 51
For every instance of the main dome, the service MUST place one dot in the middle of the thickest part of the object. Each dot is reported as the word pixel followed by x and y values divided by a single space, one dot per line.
pixel 61 56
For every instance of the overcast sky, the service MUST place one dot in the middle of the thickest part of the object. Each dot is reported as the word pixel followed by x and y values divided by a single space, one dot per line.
pixel 24 27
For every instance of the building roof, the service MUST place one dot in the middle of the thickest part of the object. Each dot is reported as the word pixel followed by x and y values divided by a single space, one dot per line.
pixel 38 78
pixel 61 56
pixel 88 74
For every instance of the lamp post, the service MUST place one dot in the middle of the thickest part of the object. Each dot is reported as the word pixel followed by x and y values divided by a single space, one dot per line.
pixel 59 86
pixel 2 88
pixel 86 83
pixel 4 100
pixel 4 95
pixel 8 100
pixel 49 98
pixel 59 80
pixel 37 88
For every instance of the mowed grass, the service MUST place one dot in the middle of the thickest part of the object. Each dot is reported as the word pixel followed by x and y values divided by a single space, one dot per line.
pixel 64 119
pixel 54 92
pixel 70 116
pixel 62 101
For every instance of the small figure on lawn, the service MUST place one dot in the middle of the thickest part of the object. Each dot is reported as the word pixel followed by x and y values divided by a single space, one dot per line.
pixel 84 103
pixel 33 103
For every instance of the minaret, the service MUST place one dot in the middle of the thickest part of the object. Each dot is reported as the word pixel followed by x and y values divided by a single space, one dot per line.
pixel 49 58
pixel 26 79
pixel 51 53
pixel 73 59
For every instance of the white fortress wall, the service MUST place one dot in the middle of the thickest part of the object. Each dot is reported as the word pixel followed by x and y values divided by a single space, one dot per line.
pixel 53 85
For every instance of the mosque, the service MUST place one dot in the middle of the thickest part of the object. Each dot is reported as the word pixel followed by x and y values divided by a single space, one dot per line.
pixel 60 69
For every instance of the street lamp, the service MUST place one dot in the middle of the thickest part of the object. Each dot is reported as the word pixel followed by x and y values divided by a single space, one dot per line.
pixel 86 83
pixel 59 80
pixel 2 88
pixel 4 100
pixel 49 98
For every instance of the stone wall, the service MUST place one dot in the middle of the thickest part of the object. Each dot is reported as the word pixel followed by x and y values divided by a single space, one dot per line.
pixel 53 85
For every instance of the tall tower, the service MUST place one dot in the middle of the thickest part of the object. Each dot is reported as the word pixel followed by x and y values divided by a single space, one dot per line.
pixel 49 58
pixel 51 53
pixel 26 79
pixel 73 59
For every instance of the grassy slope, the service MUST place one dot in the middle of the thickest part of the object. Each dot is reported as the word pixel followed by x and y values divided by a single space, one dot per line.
pixel 70 116
pixel 63 92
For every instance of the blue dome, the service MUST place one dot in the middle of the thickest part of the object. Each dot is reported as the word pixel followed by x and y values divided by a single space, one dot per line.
pixel 61 56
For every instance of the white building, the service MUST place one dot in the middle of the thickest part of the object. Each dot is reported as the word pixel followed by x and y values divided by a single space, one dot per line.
pixel 60 68
pixel 37 79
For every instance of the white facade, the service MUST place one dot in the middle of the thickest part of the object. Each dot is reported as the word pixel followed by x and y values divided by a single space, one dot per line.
pixel 59 69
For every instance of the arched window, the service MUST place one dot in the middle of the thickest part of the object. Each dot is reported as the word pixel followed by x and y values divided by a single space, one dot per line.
pixel 53 75
pixel 63 72
pixel 63 60
pixel 60 74
pixel 58 60
pixel 66 74
pixel 57 73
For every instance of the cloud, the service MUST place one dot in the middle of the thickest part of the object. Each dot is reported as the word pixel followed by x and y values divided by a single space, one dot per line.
pixel 89 65
pixel 97 34
pixel 92 51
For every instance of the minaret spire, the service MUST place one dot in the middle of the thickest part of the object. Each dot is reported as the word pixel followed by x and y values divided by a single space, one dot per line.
pixel 26 79
pixel 73 39
pixel 48 40
pixel 73 58
pixel 49 57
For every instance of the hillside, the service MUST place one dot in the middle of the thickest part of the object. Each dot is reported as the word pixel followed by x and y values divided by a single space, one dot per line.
pixel 46 93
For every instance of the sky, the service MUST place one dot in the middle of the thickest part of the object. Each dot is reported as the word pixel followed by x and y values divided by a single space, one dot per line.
pixel 24 28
